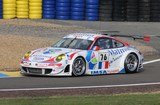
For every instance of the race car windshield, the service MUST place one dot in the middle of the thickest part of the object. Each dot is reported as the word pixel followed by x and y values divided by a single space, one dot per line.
pixel 73 43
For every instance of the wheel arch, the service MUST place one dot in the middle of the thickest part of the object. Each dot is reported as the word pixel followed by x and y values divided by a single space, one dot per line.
pixel 76 56
pixel 125 56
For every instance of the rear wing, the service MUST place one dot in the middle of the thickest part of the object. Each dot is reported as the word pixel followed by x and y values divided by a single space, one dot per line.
pixel 145 38
pixel 134 37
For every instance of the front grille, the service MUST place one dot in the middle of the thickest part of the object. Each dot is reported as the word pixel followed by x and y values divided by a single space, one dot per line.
pixel 48 71
pixel 34 70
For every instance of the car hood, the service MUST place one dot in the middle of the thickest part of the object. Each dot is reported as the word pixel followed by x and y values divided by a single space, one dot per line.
pixel 49 53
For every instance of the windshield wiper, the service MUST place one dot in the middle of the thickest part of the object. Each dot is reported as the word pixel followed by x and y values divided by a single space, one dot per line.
pixel 70 42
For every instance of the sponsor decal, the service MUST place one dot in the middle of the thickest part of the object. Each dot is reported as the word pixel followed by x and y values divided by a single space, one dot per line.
pixel 72 55
pixel 101 72
pixel 41 56
pixel 91 66
pixel 94 60
pixel 91 59
pixel 118 51
pixel 41 64
pixel 122 71
pixel 38 58
pixel 103 65
pixel 103 56
pixel 50 60
pixel 89 56
pixel 48 64
pixel 56 65
pixel 98 72
pixel 115 59
pixel 113 71
pixel 52 51
pixel 81 36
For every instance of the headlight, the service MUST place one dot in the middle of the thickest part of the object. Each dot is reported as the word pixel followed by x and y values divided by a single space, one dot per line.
pixel 60 57
pixel 27 55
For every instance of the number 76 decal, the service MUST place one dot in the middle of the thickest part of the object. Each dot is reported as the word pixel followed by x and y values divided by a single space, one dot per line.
pixel 103 56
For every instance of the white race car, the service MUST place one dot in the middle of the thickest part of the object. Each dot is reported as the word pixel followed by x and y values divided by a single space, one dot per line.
pixel 83 54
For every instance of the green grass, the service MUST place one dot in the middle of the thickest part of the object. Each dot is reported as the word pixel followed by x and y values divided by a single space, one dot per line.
pixel 125 99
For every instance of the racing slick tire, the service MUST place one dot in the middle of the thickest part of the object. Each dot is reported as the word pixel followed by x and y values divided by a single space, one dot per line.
pixel 78 67
pixel 131 63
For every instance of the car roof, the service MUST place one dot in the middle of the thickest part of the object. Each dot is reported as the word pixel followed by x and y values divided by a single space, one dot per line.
pixel 92 37
pixel 88 36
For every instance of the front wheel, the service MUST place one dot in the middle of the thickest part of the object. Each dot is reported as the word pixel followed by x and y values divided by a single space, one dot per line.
pixel 131 63
pixel 79 67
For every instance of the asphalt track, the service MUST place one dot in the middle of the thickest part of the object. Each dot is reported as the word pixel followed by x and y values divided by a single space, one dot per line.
pixel 151 74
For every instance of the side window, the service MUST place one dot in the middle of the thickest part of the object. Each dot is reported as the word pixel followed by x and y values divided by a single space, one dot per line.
pixel 117 44
pixel 104 43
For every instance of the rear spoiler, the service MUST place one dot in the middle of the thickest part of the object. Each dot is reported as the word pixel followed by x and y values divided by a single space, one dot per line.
pixel 134 37
pixel 145 38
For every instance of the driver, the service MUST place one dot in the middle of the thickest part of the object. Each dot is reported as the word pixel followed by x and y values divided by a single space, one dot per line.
pixel 83 44
pixel 104 44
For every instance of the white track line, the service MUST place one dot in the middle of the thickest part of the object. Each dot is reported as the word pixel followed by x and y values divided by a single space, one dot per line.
pixel 153 61
pixel 81 87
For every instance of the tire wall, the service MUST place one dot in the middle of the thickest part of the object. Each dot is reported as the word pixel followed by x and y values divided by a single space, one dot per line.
pixel 9 9
pixel 155 10
pixel 22 10
pixel 35 9
pixel 119 13
pixel 63 9
pixel 130 10
pixel 78 9
pixel 49 9
pixel 106 10
pixel 1 9
pixel 144 10
pixel 90 10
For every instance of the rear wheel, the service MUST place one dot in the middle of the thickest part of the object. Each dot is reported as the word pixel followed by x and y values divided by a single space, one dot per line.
pixel 131 63
pixel 79 67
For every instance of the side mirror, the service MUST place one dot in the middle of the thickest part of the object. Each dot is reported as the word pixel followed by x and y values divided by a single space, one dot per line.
pixel 96 48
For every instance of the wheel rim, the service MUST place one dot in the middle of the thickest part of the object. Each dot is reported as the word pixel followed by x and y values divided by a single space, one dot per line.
pixel 132 62
pixel 79 67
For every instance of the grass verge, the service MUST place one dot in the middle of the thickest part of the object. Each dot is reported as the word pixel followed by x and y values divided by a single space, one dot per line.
pixel 124 99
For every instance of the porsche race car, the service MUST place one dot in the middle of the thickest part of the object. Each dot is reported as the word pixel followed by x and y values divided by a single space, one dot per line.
pixel 81 54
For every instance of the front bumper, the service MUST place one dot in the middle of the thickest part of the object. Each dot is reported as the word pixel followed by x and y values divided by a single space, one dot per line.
pixel 38 71
pixel 45 69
